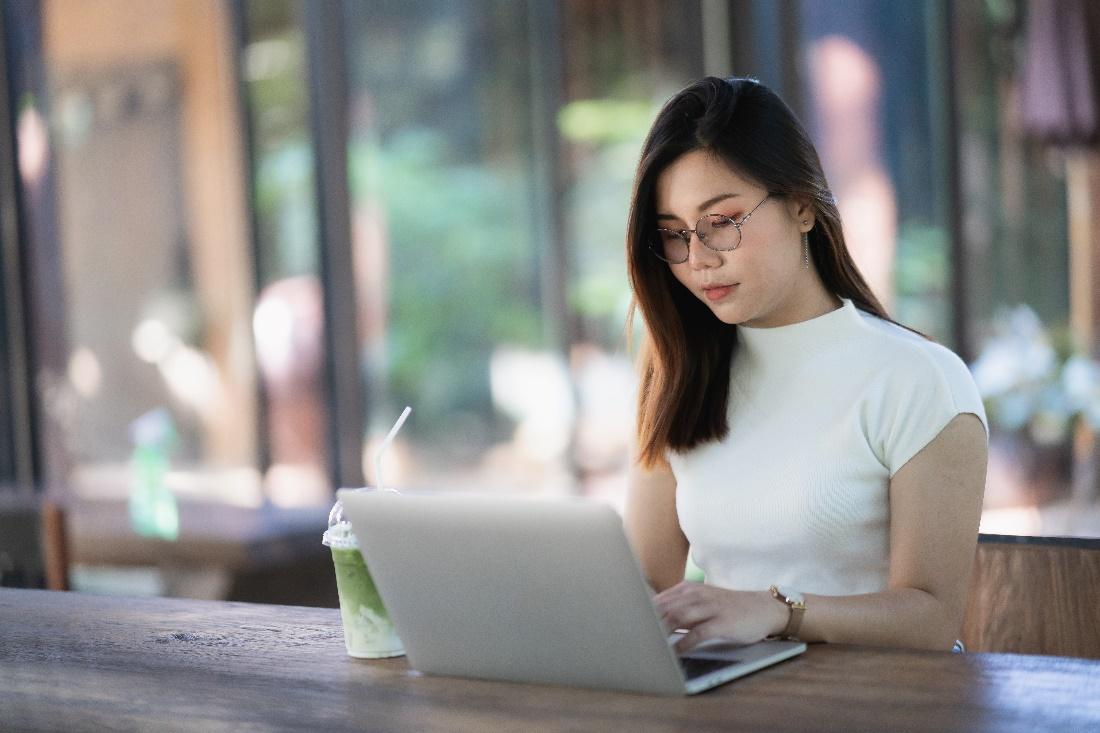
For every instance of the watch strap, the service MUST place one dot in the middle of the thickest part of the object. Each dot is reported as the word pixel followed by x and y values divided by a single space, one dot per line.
pixel 797 608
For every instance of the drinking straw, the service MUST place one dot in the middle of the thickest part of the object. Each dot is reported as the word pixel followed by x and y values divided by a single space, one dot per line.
pixel 386 444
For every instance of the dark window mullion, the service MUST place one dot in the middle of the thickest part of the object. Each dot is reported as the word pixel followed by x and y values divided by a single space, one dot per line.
pixel 10 287
pixel 240 27
pixel 20 57
pixel 952 185
pixel 328 102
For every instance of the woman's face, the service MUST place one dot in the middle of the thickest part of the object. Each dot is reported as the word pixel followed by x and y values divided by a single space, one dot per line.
pixel 760 284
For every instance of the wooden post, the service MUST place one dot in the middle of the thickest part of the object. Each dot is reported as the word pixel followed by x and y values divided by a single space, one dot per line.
pixel 1083 194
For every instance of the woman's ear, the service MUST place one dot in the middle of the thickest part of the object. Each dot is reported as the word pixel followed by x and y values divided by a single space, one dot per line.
pixel 803 213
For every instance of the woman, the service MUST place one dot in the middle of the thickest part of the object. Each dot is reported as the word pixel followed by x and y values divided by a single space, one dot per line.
pixel 824 464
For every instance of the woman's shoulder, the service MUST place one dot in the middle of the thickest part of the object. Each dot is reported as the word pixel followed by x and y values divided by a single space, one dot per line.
pixel 917 387
pixel 900 349
pixel 914 371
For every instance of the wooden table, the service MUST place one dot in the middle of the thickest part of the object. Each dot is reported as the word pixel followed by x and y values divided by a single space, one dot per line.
pixel 71 662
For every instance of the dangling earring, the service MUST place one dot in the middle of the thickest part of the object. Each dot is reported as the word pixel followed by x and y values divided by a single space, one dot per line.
pixel 805 250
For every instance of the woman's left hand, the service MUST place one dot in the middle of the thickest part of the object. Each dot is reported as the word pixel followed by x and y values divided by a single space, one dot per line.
pixel 709 612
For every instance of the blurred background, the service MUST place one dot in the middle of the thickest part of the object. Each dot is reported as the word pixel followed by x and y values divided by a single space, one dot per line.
pixel 239 236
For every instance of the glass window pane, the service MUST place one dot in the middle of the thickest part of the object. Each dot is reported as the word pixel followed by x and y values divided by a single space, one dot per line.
pixel 868 70
pixel 1014 188
pixel 448 279
pixel 289 316
pixel 455 177
pixel 1015 232
pixel 153 228
pixel 621 62
pixel 878 115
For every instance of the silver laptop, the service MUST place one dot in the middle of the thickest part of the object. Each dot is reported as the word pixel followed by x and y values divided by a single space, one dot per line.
pixel 529 590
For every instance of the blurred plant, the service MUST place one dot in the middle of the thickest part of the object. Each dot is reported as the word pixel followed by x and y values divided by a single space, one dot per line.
pixel 604 137
pixel 1032 380
pixel 462 273
pixel 604 121
pixel 921 277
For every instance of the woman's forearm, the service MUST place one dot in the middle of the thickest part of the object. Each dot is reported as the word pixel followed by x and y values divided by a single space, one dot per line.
pixel 897 617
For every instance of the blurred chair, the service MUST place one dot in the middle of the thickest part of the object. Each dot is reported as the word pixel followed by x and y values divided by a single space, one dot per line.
pixel 1035 595
pixel 33 542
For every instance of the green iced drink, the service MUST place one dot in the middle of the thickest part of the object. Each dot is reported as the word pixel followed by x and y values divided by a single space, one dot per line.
pixel 368 632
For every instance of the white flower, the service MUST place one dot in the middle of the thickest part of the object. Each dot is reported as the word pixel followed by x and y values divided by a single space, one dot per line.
pixel 1081 382
pixel 1019 354
pixel 1018 376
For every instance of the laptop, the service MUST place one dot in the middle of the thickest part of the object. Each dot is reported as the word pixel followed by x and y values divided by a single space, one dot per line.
pixel 542 590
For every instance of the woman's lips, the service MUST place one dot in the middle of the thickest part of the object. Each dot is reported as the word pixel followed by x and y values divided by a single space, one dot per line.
pixel 717 292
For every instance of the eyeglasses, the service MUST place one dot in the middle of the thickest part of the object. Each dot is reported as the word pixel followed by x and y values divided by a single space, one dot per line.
pixel 717 232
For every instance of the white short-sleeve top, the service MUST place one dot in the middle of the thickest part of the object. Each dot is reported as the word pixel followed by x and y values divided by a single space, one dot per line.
pixel 822 414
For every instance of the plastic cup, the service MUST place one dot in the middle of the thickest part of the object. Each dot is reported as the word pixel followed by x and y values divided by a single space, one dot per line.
pixel 368 631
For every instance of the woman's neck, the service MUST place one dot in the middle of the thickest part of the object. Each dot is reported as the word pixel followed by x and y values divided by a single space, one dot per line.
pixel 812 302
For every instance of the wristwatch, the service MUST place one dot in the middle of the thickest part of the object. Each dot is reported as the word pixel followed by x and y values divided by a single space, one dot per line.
pixel 794 601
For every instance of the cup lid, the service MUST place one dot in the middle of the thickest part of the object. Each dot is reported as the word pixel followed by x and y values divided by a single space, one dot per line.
pixel 339 534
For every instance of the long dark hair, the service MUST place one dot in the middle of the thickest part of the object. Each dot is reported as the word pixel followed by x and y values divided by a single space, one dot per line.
pixel 686 357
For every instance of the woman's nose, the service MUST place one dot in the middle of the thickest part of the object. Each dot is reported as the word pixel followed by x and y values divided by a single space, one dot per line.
pixel 700 256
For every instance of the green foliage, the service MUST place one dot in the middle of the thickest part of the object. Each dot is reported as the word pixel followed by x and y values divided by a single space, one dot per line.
pixel 605 120
pixel 461 272
pixel 287 219
pixel 284 184
pixel 921 278
pixel 608 134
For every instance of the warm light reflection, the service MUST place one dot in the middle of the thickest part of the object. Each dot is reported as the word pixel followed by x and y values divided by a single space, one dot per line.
pixel 847 86
pixel 85 373
pixel 152 340
pixel 535 390
pixel 239 486
pixel 267 59
pixel 297 485
pixel 34 145
pixel 606 386
pixel 287 327
pixel 1012 520
pixel 192 377
pixel 189 373
pixel 273 329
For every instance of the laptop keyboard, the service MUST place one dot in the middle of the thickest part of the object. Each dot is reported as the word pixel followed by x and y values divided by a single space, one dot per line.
pixel 695 667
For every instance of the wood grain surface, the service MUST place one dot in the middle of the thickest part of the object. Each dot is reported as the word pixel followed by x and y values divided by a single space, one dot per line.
pixel 1035 598
pixel 73 662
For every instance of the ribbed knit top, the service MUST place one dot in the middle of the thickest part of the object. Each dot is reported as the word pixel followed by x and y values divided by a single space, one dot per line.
pixel 822 414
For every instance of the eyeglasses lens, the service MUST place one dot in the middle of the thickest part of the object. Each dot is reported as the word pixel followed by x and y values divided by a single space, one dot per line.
pixel 717 232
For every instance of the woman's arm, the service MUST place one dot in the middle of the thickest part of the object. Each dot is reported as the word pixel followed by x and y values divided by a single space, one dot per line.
pixel 935 507
pixel 652 525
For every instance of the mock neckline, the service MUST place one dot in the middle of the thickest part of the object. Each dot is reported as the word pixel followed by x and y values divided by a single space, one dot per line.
pixel 798 339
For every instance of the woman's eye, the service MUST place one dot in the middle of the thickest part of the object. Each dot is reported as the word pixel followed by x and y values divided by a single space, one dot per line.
pixel 721 221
